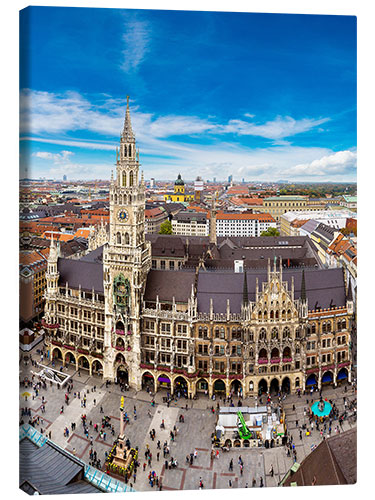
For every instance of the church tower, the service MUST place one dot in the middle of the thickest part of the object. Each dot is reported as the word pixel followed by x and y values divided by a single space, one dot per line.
pixel 126 262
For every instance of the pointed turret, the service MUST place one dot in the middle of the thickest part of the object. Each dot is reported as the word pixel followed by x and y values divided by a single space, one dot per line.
pixel 349 296
pixel 245 294
pixel 127 133
pixel 303 286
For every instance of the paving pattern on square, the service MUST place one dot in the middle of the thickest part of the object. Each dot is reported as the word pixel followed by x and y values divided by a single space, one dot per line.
pixel 193 434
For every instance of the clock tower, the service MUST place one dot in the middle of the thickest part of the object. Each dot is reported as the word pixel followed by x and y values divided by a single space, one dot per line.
pixel 126 262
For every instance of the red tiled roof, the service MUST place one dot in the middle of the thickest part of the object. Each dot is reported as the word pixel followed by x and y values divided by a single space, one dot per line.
pixel 262 217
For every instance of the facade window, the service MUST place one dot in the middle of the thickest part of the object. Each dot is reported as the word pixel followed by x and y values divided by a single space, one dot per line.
pixel 153 264
pixel 182 329
pixel 262 334
pixel 165 327
pixel 162 264
pixel 171 265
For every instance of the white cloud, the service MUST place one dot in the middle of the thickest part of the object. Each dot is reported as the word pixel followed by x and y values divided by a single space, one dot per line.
pixel 44 112
pixel 340 163
pixel 58 158
pixel 136 40
pixel 276 129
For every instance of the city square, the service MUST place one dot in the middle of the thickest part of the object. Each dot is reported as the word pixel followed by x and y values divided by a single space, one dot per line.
pixel 192 435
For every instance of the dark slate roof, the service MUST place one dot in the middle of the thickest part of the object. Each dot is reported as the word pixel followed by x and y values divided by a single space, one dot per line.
pixel 191 216
pixel 325 232
pixel 50 470
pixel 324 288
pixel 94 256
pixel 310 225
pixel 79 272
pixel 334 461
pixel 165 246
pixel 169 284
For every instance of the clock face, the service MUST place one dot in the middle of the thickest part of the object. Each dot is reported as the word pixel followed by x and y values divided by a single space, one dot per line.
pixel 122 215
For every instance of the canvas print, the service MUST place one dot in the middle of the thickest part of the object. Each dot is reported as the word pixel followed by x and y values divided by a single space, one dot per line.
pixel 188 250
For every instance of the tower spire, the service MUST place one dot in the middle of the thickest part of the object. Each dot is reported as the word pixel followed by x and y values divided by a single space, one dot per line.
pixel 127 133
pixel 245 295
pixel 303 287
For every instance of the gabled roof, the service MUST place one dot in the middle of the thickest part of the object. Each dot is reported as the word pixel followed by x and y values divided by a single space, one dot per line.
pixel 49 470
pixel 334 461
pixel 169 284
pixel 324 287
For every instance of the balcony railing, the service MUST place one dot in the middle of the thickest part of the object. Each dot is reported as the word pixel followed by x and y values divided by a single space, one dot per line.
pixel 262 361
pixel 275 361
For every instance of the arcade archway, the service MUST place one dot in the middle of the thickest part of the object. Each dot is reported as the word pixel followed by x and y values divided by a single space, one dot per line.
pixel 262 387
pixel 342 375
pixel 236 387
pixel 57 354
pixel 219 386
pixel 285 386
pixel 70 359
pixel 274 386
pixel 164 382
pixel 327 378
pixel 181 386
pixel 311 380
pixel 202 385
pixel 148 381
pixel 122 375
pixel 97 367
pixel 83 363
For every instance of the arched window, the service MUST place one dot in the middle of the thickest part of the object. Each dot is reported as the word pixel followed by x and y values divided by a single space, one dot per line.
pixel 116 199
pixel 324 327
pixel 205 332
pixel 123 179
pixel 118 238
pixel 260 315
pixel 200 332
pixel 131 178
pixel 343 324
pixel 120 199
pixel 275 333
pixel 130 150
pixel 127 239
pixel 329 326
pixel 216 332
pixel 286 333
pixel 130 199
pixel 125 151
pixel 313 328
pixel 271 314
pixel 298 332
pixel 262 334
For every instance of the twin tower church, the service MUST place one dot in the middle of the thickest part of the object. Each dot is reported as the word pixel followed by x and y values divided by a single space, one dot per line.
pixel 203 323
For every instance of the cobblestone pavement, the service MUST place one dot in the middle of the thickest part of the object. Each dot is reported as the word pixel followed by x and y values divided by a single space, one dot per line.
pixel 194 434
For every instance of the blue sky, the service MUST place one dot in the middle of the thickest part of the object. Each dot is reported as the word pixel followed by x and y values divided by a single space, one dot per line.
pixel 259 96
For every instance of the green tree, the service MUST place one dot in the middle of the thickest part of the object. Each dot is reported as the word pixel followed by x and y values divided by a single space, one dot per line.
pixel 271 231
pixel 166 227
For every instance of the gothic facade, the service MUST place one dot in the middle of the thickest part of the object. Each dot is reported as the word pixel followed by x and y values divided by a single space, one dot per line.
pixel 114 314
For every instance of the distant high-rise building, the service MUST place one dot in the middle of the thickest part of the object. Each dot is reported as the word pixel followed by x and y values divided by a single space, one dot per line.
pixel 152 182
pixel 65 177
pixel 198 188
pixel 230 178
pixel 214 179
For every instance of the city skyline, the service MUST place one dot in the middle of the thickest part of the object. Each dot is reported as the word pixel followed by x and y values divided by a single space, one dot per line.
pixel 259 96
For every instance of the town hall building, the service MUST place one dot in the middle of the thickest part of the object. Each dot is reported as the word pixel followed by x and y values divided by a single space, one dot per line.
pixel 240 315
